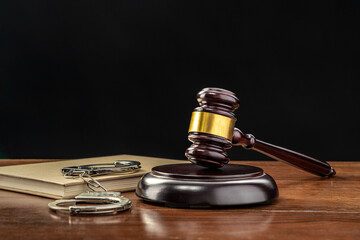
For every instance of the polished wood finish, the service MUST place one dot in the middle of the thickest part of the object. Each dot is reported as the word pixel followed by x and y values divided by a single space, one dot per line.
pixel 192 186
pixel 209 150
pixel 296 159
pixel 308 207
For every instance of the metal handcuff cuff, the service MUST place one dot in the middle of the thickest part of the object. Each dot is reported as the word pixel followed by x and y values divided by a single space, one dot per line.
pixel 104 202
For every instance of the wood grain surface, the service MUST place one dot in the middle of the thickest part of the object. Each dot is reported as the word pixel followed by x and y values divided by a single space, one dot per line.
pixel 309 207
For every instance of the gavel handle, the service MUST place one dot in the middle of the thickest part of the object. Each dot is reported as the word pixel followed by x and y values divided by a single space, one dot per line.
pixel 299 160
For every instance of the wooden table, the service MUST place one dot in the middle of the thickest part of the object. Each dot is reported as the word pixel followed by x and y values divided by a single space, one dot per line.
pixel 309 207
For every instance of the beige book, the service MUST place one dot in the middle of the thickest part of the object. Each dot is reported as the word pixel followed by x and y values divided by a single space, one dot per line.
pixel 46 179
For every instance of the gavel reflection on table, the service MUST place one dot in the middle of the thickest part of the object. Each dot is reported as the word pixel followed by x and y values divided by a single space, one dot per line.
pixel 210 181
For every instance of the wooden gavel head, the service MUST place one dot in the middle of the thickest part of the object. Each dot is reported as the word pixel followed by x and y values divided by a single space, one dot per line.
pixel 211 127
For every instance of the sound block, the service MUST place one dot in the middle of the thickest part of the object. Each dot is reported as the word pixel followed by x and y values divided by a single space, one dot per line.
pixel 193 186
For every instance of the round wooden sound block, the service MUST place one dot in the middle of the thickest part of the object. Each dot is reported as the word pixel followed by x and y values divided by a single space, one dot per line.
pixel 193 186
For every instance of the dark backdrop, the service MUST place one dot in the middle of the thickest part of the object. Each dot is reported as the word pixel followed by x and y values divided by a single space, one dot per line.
pixel 93 78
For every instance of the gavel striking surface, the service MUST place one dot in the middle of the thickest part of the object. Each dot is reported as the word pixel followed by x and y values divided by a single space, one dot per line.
pixel 192 186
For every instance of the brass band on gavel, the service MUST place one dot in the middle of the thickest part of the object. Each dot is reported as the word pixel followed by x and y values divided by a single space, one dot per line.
pixel 212 123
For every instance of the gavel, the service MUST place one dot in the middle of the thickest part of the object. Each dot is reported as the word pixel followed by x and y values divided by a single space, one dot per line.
pixel 212 131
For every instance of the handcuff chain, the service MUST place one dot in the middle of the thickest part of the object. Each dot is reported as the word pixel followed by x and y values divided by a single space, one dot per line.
pixel 85 171
pixel 92 183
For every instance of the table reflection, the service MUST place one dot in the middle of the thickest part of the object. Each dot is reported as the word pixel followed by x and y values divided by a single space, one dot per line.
pixel 157 224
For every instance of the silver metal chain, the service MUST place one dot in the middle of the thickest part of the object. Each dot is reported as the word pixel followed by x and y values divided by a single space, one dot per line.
pixel 85 172
pixel 91 183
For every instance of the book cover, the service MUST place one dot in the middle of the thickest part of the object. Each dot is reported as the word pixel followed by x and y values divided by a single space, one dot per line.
pixel 46 179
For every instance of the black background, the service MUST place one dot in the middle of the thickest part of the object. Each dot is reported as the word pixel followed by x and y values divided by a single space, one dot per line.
pixel 94 78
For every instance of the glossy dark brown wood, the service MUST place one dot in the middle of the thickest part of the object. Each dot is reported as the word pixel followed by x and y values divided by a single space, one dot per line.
pixel 192 186
pixel 296 159
pixel 308 208
pixel 209 150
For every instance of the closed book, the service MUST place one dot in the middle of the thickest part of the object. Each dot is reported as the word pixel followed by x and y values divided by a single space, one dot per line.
pixel 46 179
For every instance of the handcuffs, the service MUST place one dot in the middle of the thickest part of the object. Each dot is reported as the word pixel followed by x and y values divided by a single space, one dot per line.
pixel 104 202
